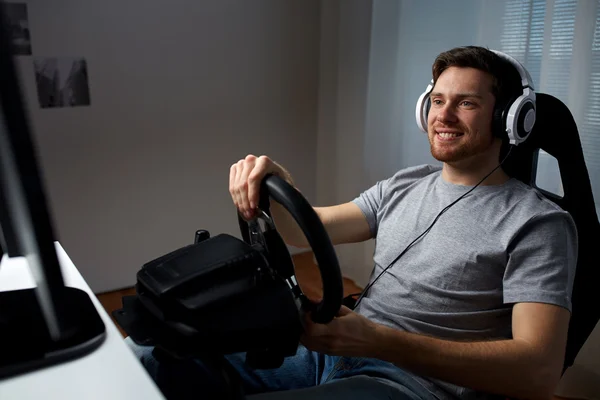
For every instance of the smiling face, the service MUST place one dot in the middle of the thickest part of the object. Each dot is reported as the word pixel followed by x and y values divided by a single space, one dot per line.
pixel 460 119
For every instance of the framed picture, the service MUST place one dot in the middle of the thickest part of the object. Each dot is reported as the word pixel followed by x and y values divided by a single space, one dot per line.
pixel 61 82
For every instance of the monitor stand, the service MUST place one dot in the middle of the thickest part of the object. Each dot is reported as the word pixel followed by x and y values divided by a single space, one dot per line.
pixel 51 323
pixel 25 343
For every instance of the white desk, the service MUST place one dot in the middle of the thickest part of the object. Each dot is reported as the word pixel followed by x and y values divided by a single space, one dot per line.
pixel 111 372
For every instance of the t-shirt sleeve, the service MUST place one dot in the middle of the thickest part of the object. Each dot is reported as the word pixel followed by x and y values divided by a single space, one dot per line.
pixel 373 199
pixel 541 261
pixel 369 202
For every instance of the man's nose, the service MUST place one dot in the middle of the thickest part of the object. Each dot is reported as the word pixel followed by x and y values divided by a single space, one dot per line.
pixel 446 113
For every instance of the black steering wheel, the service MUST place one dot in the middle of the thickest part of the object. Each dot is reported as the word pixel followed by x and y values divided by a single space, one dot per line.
pixel 280 258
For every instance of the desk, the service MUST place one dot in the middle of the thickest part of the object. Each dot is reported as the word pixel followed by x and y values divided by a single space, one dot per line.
pixel 111 372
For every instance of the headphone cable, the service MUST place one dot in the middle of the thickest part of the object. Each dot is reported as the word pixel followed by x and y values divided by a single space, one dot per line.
pixel 366 289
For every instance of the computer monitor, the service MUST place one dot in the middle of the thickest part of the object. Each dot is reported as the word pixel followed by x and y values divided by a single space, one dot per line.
pixel 50 323
pixel 24 218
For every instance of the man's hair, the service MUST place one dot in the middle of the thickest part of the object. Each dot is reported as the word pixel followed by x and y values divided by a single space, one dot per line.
pixel 506 79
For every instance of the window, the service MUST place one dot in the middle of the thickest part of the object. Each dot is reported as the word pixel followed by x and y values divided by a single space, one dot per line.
pixel 523 35
pixel 590 128
pixel 558 41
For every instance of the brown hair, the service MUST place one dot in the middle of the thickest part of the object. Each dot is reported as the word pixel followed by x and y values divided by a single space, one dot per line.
pixel 506 79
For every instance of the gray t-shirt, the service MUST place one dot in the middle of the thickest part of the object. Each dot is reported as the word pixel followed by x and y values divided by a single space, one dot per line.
pixel 497 246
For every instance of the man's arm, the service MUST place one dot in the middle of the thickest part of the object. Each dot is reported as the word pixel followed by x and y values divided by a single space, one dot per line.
pixel 528 366
pixel 344 223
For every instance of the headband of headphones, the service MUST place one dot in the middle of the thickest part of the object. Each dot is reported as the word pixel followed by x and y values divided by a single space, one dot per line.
pixel 516 119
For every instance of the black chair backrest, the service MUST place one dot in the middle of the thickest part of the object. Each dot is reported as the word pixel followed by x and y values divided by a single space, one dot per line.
pixel 556 133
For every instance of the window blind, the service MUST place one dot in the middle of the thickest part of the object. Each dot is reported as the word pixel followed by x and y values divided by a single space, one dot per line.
pixel 541 34
pixel 557 66
pixel 523 34
pixel 590 128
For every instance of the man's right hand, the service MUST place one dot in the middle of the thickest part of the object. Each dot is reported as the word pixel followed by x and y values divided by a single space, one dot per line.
pixel 345 223
pixel 245 178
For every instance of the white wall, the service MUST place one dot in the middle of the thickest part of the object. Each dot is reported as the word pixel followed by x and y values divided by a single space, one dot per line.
pixel 344 68
pixel 180 90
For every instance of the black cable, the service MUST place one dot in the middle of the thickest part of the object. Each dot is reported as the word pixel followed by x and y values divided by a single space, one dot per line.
pixel 366 289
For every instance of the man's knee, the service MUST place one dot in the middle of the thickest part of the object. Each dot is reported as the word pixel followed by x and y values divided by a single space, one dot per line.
pixel 137 349
pixel 143 354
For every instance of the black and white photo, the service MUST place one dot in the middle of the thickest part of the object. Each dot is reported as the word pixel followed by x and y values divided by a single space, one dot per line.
pixel 62 82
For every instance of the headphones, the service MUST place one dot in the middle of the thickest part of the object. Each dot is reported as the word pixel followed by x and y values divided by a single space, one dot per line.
pixel 515 119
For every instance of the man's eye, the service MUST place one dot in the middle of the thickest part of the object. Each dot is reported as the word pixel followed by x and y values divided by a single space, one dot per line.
pixel 437 102
pixel 466 103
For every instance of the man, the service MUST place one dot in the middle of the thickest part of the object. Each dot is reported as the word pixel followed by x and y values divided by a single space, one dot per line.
pixel 480 305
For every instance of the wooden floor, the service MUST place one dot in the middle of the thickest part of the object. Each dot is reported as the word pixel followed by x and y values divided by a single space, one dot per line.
pixel 307 273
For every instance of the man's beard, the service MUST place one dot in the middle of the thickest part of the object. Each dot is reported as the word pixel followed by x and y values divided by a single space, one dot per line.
pixel 453 155
pixel 463 151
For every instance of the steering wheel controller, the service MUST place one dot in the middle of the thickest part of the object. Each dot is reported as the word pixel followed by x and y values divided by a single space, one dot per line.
pixel 223 295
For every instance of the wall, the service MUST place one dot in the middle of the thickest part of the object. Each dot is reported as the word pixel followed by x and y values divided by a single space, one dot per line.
pixel 344 68
pixel 179 92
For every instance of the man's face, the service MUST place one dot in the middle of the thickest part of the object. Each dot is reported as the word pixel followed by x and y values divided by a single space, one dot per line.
pixel 459 121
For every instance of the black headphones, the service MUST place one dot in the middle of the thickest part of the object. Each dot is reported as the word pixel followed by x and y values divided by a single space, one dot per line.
pixel 514 118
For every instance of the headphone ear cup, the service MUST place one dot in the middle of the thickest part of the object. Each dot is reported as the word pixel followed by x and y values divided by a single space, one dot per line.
pixel 520 118
pixel 422 108
pixel 526 120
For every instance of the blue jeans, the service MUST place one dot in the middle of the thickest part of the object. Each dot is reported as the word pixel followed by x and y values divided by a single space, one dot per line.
pixel 307 375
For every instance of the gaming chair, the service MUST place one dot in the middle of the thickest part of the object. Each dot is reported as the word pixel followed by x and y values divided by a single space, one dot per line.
pixel 556 133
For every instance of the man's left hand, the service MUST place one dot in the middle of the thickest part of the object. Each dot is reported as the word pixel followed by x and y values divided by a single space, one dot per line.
pixel 348 334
